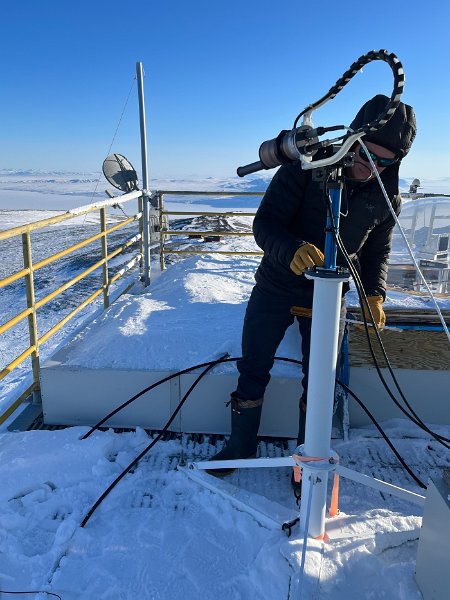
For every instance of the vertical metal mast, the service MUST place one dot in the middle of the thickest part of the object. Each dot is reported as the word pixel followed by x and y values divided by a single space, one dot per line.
pixel 145 190
pixel 322 372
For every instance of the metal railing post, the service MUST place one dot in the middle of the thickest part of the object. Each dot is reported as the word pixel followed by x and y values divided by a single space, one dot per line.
pixel 145 181
pixel 37 339
pixel 162 236
pixel 32 320
pixel 104 243
pixel 141 232
pixel 413 228
pixel 146 238
pixel 151 205
pixel 431 226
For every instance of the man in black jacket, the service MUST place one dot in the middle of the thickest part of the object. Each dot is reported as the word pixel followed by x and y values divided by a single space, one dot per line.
pixel 289 226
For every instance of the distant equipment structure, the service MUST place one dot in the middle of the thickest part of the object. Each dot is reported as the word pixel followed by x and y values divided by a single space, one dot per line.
pixel 414 186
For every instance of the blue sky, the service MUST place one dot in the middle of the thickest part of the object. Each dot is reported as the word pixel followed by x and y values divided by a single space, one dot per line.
pixel 221 77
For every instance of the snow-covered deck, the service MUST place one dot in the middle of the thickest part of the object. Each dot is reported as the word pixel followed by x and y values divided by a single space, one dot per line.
pixel 192 314
pixel 161 535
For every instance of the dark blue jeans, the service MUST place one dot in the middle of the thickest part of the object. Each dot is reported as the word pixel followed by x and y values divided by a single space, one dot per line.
pixel 266 320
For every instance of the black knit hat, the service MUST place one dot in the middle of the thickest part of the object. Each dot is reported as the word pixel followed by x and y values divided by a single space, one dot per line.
pixel 399 132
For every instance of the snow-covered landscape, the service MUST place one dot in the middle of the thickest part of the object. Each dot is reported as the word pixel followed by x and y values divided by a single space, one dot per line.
pixel 160 534
pixel 41 195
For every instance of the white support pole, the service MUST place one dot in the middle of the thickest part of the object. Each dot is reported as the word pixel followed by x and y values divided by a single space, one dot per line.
pixel 235 496
pixel 321 382
pixel 381 486
pixel 145 184
pixel 243 463
pixel 431 224
pixel 412 233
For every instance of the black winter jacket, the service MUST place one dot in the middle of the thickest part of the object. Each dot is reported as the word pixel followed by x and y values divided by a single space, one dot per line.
pixel 293 211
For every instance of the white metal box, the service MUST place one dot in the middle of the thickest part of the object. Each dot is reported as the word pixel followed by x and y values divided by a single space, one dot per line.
pixel 433 556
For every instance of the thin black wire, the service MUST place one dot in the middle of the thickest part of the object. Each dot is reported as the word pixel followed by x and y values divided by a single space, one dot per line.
pixel 115 133
pixel 120 208
pixel 33 592
pixel 210 365
pixel 153 442
pixel 374 421
pixel 386 439
pixel 147 389
pixel 364 301
pixel 185 397
pixel 415 418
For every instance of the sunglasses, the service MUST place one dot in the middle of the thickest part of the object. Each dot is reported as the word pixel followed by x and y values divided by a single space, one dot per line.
pixel 382 162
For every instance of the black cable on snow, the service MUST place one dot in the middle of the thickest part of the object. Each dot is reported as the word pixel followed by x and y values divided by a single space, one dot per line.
pixel 153 442
pixel 385 437
pixel 151 387
pixel 414 417
pixel 374 421
pixel 364 302
pixel 185 397
pixel 32 592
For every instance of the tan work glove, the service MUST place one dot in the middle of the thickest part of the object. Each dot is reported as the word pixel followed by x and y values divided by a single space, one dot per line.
pixel 306 256
pixel 376 306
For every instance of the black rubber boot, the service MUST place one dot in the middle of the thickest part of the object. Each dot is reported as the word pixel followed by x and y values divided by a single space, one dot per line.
pixel 297 485
pixel 243 442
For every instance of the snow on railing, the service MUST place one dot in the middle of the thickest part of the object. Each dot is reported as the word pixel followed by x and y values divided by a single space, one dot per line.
pixel 30 268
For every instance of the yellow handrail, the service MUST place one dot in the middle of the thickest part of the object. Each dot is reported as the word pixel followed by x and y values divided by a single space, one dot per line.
pixel 69 284
pixel 82 275
pixel 15 405
pixel 15 231
pixel 165 232
pixel 68 317
pixel 97 236
pixel 14 277
pixel 15 320
pixel 248 252
pixel 70 214
pixel 16 362
pixel 122 271
pixel 29 269
pixel 182 232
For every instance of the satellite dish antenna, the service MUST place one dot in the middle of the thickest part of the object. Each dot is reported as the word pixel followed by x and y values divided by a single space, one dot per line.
pixel 120 173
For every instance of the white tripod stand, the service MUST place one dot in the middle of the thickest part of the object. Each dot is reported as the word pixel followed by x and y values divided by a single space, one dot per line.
pixel 315 457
